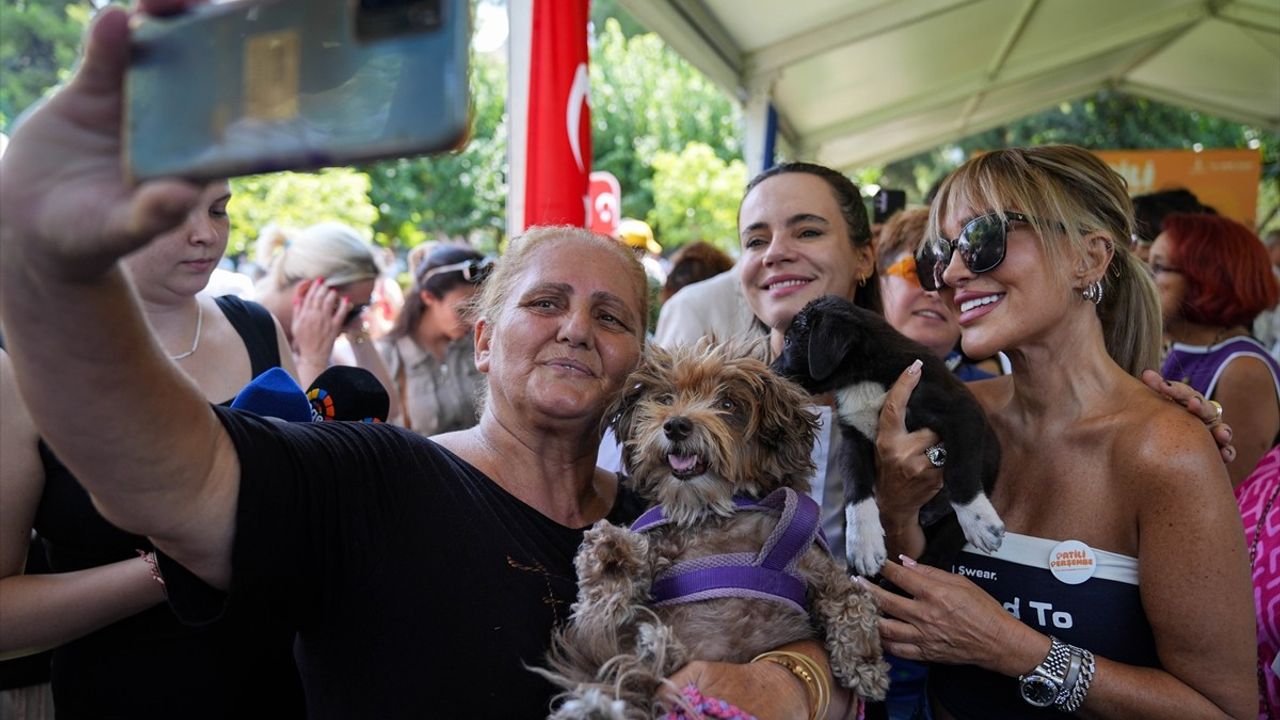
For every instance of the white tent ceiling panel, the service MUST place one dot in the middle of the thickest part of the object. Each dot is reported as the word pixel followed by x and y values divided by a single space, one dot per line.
pixel 865 81
pixel 766 22
pixel 1247 79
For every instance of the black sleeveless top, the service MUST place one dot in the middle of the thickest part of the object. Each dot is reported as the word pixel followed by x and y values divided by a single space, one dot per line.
pixel 152 665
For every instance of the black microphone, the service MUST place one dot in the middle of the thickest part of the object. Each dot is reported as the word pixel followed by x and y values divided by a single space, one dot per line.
pixel 274 394
pixel 348 393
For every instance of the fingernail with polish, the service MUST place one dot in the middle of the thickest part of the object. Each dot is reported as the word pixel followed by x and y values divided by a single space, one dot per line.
pixel 915 367
pixel 907 561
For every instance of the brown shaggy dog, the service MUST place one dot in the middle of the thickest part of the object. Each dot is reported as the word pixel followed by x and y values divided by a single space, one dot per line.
pixel 699 426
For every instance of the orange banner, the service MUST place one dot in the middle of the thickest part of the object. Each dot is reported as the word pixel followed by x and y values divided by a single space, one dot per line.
pixel 1226 180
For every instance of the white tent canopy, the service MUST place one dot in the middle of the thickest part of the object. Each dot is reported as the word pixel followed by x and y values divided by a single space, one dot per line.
pixel 857 82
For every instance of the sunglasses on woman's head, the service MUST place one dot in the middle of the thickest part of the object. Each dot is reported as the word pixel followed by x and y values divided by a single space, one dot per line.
pixel 473 271
pixel 982 244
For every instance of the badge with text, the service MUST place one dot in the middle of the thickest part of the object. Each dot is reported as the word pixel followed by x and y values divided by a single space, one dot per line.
pixel 1072 562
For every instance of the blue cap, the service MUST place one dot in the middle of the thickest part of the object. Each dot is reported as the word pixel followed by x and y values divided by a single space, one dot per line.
pixel 274 394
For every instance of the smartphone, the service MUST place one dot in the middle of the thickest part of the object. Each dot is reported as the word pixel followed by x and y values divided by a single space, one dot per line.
pixel 887 203
pixel 252 86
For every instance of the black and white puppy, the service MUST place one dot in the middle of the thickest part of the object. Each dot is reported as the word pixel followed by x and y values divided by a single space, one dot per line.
pixel 834 346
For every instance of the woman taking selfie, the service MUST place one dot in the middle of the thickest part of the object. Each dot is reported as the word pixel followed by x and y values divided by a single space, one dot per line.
pixel 1122 528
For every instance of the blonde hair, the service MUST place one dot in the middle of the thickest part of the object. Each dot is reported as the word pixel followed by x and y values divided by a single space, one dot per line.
pixel 489 302
pixel 330 250
pixel 1068 194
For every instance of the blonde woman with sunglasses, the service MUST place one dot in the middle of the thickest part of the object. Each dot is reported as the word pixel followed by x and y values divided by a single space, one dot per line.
pixel 1122 587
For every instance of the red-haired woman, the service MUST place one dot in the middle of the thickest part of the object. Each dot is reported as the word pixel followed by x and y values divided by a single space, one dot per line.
pixel 1214 278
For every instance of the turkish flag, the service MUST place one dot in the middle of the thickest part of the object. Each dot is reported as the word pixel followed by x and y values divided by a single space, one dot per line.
pixel 550 141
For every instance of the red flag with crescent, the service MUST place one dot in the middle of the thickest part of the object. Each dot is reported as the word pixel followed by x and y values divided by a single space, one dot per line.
pixel 551 154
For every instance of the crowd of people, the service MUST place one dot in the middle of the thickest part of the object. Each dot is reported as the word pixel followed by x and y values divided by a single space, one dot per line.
pixel 210 562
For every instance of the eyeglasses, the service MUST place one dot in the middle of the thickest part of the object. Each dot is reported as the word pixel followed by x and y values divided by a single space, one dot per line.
pixel 473 271
pixel 982 244
pixel 1161 269
pixel 905 269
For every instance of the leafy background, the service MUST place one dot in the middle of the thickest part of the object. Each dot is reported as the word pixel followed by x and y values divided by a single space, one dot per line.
pixel 671 137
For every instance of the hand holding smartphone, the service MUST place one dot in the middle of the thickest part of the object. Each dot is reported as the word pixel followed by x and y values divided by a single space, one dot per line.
pixel 256 86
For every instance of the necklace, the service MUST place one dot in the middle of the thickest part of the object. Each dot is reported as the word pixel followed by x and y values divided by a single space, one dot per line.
pixel 195 341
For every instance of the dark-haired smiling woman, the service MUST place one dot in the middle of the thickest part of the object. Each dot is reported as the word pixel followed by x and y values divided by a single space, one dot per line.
pixel 1122 588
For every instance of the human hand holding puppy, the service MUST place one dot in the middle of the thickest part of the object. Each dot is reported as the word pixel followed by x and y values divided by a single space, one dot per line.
pixel 907 480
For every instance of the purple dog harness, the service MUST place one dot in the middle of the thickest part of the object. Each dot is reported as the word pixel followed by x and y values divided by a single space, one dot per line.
pixel 769 575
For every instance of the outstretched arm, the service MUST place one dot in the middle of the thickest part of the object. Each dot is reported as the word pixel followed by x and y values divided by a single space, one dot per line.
pixel 135 431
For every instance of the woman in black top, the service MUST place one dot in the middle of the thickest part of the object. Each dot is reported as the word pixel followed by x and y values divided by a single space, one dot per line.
pixel 101 607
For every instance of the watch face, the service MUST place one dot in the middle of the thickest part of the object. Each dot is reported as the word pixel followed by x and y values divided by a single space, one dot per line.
pixel 1038 691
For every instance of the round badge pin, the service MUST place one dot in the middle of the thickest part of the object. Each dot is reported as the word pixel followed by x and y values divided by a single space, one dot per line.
pixel 1072 562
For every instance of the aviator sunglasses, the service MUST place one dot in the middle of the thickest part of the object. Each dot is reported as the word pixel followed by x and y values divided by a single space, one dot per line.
pixel 982 244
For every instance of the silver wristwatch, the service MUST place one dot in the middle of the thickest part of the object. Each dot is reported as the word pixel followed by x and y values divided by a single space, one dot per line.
pixel 1042 686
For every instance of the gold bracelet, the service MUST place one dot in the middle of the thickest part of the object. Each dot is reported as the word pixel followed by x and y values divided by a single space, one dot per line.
pixel 804 667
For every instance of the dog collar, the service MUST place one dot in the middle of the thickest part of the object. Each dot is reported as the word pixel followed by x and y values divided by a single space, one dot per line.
pixel 769 574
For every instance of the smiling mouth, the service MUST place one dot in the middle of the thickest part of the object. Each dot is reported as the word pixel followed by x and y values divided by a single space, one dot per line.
pixel 931 314
pixel 570 366
pixel 684 467
pixel 968 305
pixel 783 284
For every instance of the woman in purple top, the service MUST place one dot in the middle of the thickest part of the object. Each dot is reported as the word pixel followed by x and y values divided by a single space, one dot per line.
pixel 1214 278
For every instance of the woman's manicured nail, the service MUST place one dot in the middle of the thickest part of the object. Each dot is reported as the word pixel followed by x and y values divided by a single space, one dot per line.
pixel 914 369
pixel 907 561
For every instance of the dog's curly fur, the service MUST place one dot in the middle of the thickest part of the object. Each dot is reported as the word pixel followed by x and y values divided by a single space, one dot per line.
pixel 738 429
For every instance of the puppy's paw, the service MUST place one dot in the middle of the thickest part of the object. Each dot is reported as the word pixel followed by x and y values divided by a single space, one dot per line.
pixel 590 704
pixel 610 551
pixel 864 538
pixel 983 528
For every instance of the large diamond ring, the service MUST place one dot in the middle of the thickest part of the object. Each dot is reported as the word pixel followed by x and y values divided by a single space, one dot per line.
pixel 937 455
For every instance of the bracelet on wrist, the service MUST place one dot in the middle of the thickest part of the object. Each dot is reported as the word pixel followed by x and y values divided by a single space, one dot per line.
pixel 815 681
pixel 150 558
pixel 1061 680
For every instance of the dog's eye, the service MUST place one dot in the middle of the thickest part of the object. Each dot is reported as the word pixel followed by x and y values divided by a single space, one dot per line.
pixel 665 399
pixel 727 404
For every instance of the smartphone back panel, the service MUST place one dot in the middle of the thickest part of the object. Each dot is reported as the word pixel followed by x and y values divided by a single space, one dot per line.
pixel 263 85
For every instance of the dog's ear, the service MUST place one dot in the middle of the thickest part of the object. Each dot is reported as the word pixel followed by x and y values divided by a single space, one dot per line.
pixel 621 414
pixel 787 429
pixel 828 344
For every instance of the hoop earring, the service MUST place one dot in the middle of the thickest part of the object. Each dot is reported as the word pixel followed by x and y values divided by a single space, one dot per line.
pixel 1093 292
pixel 862 281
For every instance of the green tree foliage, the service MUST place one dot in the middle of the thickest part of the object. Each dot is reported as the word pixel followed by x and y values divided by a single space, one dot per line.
pixel 39 40
pixel 695 197
pixel 646 99
pixel 296 200
pixel 460 194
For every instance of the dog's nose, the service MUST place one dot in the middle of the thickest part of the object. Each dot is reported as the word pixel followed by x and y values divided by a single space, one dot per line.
pixel 677 428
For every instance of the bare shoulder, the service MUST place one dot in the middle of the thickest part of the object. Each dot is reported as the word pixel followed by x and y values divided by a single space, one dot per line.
pixel 1160 449
pixel 1248 373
